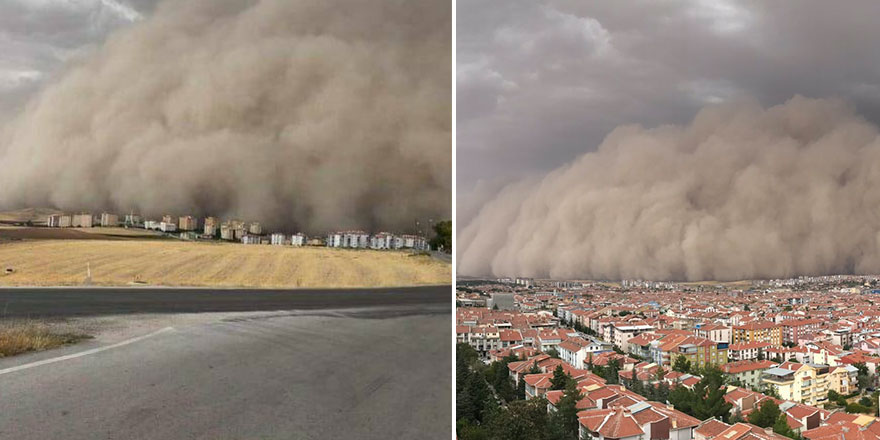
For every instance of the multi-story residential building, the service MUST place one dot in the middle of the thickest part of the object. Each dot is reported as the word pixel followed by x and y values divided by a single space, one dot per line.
pixel 109 220
pixel 575 351
pixel 793 330
pixel 640 345
pixel 82 220
pixel 298 239
pixel 187 223
pixel 758 331
pixel 277 238
pixel 713 332
pixel 59 221
pixel 623 333
pixel 744 351
pixel 804 383
pixel 747 373
pixel 699 351
pixel 210 226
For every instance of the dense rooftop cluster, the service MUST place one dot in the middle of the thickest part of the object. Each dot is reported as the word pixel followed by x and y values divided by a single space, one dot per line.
pixel 633 350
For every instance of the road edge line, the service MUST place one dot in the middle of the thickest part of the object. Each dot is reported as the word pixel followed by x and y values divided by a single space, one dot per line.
pixel 82 353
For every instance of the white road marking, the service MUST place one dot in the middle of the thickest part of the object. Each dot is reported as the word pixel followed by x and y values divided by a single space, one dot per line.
pixel 82 353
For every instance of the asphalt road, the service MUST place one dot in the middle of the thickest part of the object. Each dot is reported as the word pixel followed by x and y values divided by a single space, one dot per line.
pixel 53 302
pixel 342 372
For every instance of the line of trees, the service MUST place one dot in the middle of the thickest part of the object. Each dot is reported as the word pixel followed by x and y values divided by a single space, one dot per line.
pixel 490 407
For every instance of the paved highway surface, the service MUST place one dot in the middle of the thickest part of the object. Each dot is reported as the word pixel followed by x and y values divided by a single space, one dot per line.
pixel 334 369
pixel 46 302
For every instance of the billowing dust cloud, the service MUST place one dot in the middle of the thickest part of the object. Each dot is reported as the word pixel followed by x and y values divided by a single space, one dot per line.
pixel 742 192
pixel 302 114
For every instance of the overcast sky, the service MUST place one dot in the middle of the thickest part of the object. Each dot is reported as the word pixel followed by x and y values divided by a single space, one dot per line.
pixel 37 38
pixel 541 82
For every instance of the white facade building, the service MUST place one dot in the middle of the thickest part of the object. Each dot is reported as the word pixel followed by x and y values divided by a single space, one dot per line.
pixel 277 238
pixel 297 239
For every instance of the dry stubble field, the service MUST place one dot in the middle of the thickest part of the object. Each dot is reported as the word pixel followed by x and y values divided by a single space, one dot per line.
pixel 175 263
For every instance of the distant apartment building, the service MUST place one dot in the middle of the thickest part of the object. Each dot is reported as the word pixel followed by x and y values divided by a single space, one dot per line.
pixel 793 330
pixel 277 239
pixel 758 331
pixel 744 351
pixel 187 223
pixel 355 239
pixel 168 219
pixel 713 332
pixel 255 229
pixel 298 240
pixel 59 221
pixel 623 333
pixel 83 220
pixel 210 226
pixel 698 351
pixel 250 239
pixel 109 220
pixel 132 219
pixel 382 240
pixel 334 240
pixel 167 226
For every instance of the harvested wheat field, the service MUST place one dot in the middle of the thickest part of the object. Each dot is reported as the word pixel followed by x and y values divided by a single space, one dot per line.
pixel 172 263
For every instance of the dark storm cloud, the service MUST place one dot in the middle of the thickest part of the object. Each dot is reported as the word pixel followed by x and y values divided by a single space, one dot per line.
pixel 540 83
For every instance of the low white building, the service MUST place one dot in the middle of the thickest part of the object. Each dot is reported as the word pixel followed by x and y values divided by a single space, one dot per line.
pixel 132 219
pixel 277 238
pixel 297 239
pixel 109 220
pixel 82 220
pixel 382 240
pixel 59 221
pixel 250 239
pixel 334 240
pixel 167 226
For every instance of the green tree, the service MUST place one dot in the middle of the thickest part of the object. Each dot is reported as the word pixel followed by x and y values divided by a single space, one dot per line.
pixel 499 376
pixel 780 426
pixel 681 364
pixel 709 393
pixel 609 373
pixel 443 238
pixel 766 414
pixel 521 420
pixel 559 380
pixel 564 421
pixel 834 396
pixel 467 430
pixel 855 408
pixel 552 352
pixel 473 397
pixel 683 399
